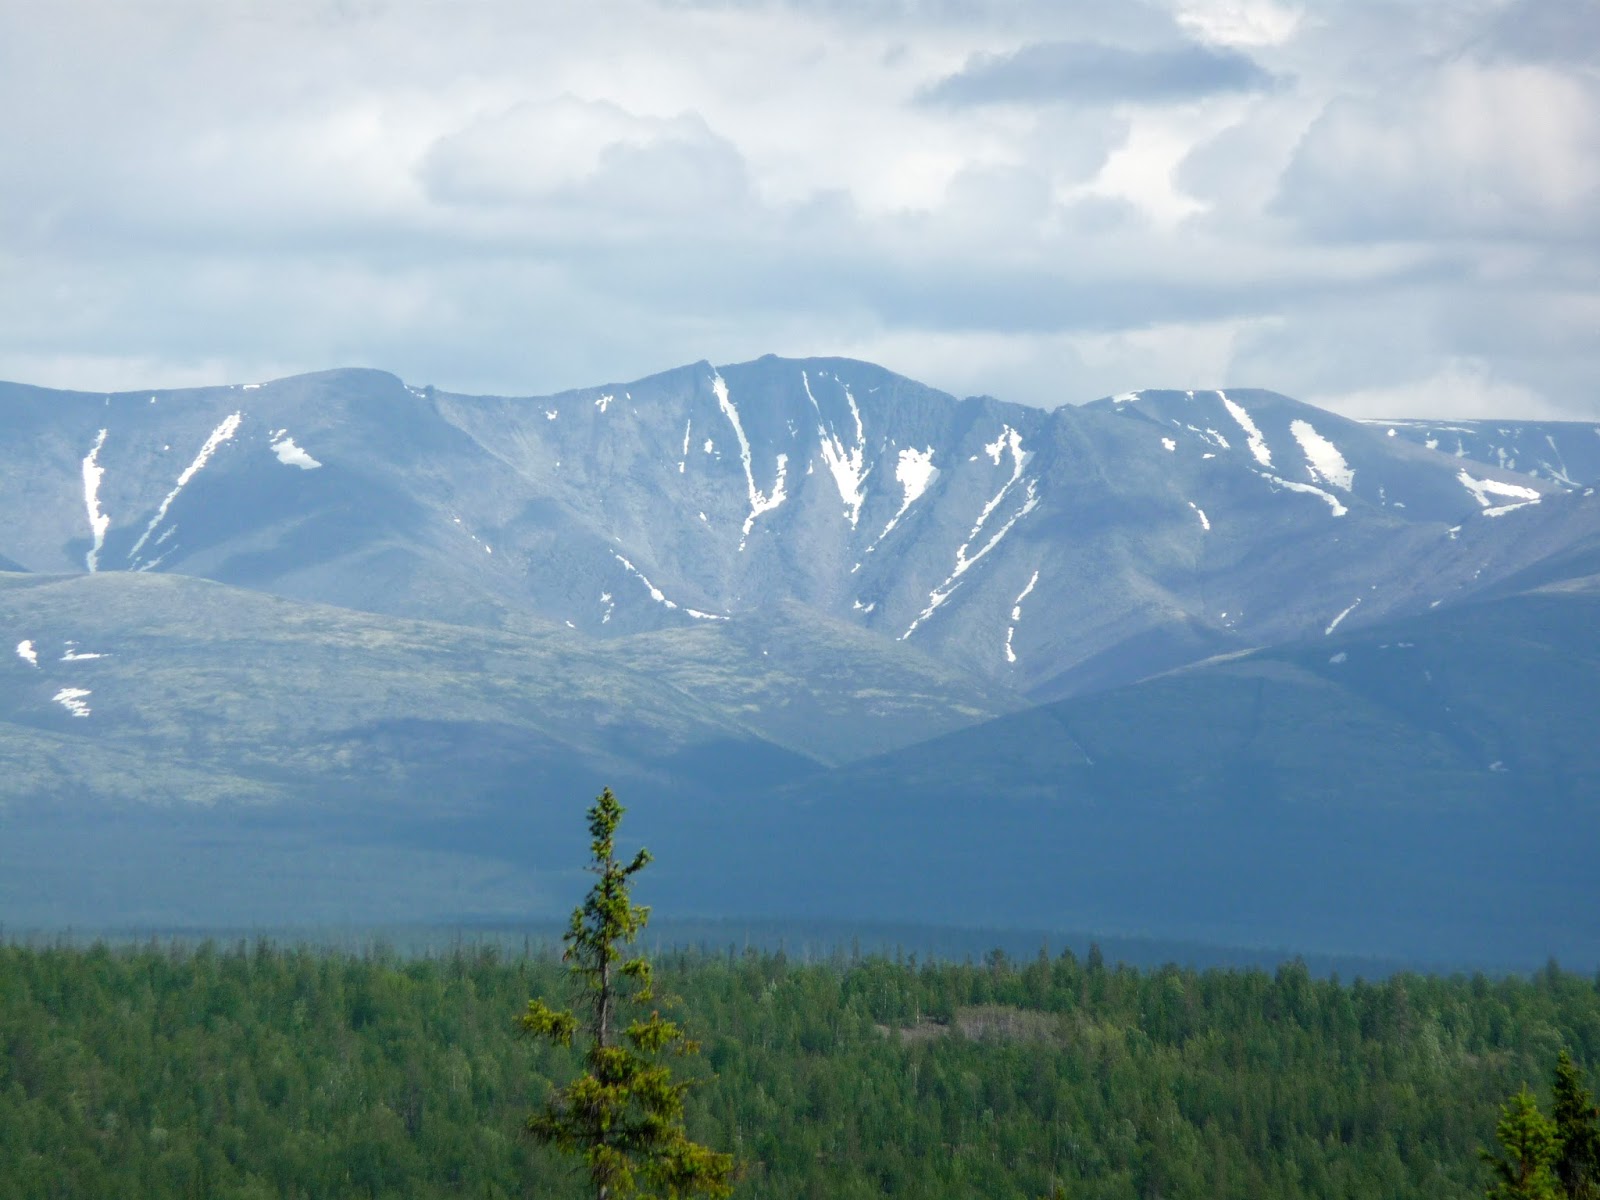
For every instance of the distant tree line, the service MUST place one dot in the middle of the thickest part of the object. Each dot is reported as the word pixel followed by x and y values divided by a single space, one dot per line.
pixel 263 1071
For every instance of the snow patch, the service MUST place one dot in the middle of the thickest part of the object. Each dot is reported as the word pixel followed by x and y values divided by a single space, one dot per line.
pixel 848 466
pixel 1201 513
pixel 997 448
pixel 1016 607
pixel 1323 459
pixel 1016 615
pixel 1011 440
pixel 656 594
pixel 1212 436
pixel 604 402
pixel 1334 624
pixel 760 502
pixel 1500 510
pixel 1257 443
pixel 611 607
pixel 73 700
pixel 1482 489
pixel 914 472
pixel 99 522
pixel 1339 509
pixel 1169 445
pixel 1339 658
pixel 27 653
pixel 291 455
pixel 944 591
pixel 219 435
pixel 1558 473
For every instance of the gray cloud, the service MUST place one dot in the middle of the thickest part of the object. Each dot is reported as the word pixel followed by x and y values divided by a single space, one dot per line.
pixel 1492 150
pixel 570 152
pixel 1097 73
pixel 518 198
pixel 1558 31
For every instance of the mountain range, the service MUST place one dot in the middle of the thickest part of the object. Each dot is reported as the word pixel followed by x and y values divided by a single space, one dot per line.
pixel 339 646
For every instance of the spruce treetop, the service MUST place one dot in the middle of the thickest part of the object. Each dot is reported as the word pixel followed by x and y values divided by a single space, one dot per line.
pixel 624 1116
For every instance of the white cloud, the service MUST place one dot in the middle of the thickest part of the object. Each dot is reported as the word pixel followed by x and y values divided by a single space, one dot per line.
pixel 584 152
pixel 1143 173
pixel 1459 388
pixel 1470 149
pixel 1239 22
pixel 517 197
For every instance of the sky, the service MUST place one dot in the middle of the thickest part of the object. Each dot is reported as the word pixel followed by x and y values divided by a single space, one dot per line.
pixel 1384 207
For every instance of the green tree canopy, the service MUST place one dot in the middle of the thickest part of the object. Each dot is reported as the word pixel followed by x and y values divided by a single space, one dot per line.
pixel 1577 1122
pixel 1524 1168
pixel 625 1114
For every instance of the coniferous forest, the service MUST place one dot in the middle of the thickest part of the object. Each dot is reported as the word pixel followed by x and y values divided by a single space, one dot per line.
pixel 260 1071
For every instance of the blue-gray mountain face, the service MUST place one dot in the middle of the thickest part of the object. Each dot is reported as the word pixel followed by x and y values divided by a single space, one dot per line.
pixel 429 606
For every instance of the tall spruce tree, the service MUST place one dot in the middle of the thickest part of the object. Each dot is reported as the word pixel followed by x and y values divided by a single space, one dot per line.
pixel 625 1114
pixel 1577 1122
pixel 1524 1168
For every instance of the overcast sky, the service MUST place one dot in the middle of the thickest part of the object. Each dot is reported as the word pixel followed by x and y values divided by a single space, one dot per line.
pixel 1387 207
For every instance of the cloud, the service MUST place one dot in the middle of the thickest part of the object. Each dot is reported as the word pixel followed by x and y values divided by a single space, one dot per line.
pixel 1239 22
pixel 1462 388
pixel 1546 31
pixel 1501 150
pixel 1100 74
pixel 569 151
pixel 516 198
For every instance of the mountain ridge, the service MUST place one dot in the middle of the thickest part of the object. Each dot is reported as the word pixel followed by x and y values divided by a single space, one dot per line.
pixel 620 512
pixel 341 618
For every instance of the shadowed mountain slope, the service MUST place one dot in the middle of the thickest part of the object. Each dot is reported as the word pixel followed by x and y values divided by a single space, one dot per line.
pixel 1424 786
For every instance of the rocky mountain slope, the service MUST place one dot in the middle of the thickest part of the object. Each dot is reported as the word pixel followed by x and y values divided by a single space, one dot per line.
pixel 1049 553
pixel 341 615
